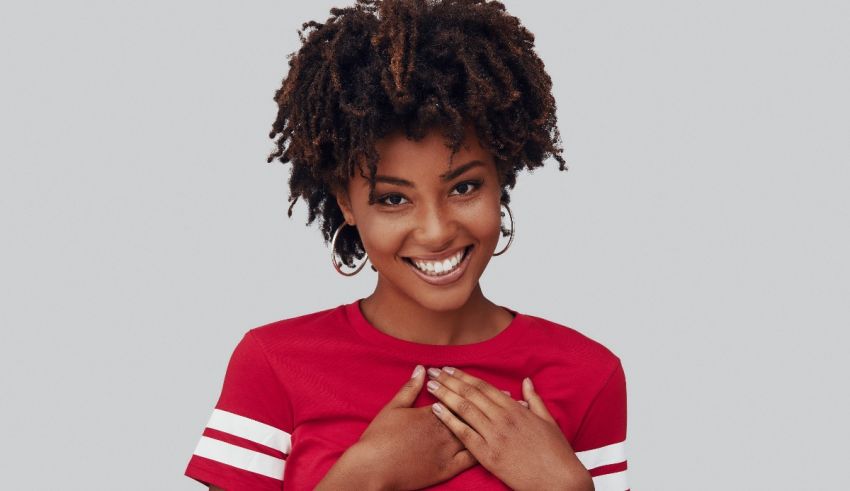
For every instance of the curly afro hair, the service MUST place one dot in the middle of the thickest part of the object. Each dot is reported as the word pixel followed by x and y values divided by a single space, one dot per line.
pixel 412 65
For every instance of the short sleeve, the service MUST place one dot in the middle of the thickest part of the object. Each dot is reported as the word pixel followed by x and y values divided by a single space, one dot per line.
pixel 247 439
pixel 600 443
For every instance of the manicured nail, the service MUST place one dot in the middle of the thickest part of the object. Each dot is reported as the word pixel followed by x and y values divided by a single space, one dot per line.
pixel 437 408
pixel 432 385
pixel 449 370
pixel 417 371
pixel 530 385
pixel 434 372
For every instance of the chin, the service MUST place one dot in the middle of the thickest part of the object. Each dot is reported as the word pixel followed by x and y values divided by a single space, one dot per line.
pixel 442 301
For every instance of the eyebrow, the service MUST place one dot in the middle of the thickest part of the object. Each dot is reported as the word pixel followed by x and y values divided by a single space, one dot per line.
pixel 447 176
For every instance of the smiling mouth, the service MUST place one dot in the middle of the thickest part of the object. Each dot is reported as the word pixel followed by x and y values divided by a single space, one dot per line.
pixel 445 267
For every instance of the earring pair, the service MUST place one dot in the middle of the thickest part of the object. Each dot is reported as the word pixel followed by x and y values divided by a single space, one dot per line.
pixel 337 265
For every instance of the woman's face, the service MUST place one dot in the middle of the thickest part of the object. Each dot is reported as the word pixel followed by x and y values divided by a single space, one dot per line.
pixel 428 213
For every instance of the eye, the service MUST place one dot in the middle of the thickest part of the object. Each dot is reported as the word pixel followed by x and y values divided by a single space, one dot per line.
pixel 467 187
pixel 391 200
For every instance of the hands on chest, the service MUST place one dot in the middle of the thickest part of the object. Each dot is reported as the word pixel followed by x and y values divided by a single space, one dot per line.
pixel 408 447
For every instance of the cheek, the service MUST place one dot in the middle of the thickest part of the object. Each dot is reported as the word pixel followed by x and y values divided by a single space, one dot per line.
pixel 381 238
pixel 482 221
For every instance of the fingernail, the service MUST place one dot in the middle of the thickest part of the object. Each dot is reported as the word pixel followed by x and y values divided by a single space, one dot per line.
pixel 449 370
pixel 416 371
pixel 432 385
pixel 434 372
pixel 530 385
pixel 437 407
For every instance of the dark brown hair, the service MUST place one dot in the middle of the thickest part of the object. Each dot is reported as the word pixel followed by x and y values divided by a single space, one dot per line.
pixel 383 65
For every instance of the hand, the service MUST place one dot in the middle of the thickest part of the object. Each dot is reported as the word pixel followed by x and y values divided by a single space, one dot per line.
pixel 523 447
pixel 404 447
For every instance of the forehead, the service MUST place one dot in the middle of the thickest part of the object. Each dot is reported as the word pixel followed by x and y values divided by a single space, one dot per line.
pixel 428 158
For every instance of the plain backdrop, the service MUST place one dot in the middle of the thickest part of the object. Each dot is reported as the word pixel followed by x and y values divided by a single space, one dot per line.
pixel 701 233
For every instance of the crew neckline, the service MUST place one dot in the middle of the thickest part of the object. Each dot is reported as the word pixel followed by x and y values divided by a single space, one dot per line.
pixel 505 338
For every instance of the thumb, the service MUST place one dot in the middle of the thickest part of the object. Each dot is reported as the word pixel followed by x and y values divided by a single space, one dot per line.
pixel 460 462
pixel 535 402
pixel 408 392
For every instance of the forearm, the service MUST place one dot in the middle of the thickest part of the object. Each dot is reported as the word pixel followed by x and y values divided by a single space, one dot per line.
pixel 576 479
pixel 351 471
pixel 569 476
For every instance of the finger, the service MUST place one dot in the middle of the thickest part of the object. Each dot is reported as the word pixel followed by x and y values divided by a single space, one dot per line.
pixel 473 442
pixel 462 406
pixel 483 394
pixel 522 403
pixel 535 402
pixel 408 392
pixel 461 461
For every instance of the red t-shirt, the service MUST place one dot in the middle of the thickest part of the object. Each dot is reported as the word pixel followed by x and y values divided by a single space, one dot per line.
pixel 298 392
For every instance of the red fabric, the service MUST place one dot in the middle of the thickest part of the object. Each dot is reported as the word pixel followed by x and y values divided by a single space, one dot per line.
pixel 322 377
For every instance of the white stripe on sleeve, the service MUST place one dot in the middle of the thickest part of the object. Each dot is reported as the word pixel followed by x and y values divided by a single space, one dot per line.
pixel 609 454
pixel 241 458
pixel 616 481
pixel 250 429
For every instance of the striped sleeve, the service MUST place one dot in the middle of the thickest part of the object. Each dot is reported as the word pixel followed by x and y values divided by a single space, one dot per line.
pixel 600 442
pixel 247 438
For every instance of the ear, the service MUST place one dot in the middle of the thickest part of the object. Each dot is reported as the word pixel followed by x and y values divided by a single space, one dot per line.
pixel 344 203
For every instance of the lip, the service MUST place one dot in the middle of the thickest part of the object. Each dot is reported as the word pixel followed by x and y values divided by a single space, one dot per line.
pixel 448 278
pixel 441 257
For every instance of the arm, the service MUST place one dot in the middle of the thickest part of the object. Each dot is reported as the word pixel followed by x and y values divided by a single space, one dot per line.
pixel 247 439
pixel 600 441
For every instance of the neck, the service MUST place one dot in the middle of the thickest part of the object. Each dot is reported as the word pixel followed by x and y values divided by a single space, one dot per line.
pixel 398 315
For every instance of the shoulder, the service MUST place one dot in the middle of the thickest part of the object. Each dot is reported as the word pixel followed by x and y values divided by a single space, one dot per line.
pixel 568 343
pixel 292 329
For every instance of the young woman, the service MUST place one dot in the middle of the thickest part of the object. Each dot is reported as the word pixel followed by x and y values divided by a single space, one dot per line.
pixel 406 123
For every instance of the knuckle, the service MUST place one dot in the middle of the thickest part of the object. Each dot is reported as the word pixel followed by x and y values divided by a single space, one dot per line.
pixel 479 385
pixel 465 434
pixel 494 456
pixel 509 420
pixel 467 390
pixel 464 407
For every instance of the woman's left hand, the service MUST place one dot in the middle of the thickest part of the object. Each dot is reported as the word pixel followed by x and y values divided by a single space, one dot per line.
pixel 522 446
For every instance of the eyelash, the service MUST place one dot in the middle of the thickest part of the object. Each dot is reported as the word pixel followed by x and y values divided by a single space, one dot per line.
pixel 475 183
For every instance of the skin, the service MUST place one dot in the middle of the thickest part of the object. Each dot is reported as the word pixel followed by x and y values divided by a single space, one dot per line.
pixel 430 217
pixel 403 448
pixel 524 449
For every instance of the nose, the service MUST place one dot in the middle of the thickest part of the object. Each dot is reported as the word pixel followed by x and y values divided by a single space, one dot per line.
pixel 436 228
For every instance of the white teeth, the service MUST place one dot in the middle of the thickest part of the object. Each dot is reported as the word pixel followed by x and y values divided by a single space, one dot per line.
pixel 434 268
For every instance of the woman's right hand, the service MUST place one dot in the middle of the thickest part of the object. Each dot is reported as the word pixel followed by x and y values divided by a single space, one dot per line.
pixel 403 447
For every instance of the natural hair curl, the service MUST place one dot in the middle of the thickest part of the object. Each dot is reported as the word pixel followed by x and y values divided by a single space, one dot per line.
pixel 383 65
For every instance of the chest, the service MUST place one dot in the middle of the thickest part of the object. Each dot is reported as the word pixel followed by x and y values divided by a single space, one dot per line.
pixel 334 404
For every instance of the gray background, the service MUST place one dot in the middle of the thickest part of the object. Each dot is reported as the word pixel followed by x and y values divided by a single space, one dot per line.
pixel 701 233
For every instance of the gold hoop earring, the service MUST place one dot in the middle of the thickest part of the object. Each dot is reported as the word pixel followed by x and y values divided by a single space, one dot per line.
pixel 333 257
pixel 511 215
